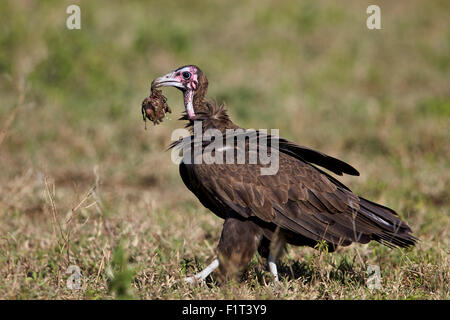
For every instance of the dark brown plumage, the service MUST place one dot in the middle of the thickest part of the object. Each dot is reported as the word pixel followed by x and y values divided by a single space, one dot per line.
pixel 300 205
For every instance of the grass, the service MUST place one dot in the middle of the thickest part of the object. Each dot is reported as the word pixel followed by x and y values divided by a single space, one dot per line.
pixel 82 183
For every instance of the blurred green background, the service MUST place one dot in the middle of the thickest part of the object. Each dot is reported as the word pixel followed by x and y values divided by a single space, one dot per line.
pixel 70 111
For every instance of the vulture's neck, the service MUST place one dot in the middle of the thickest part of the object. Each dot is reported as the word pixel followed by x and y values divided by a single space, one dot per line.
pixel 209 113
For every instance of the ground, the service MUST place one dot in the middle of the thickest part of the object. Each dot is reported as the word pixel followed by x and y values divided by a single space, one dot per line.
pixel 83 183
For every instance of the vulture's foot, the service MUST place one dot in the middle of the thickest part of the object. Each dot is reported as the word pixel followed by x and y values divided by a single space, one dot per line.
pixel 204 273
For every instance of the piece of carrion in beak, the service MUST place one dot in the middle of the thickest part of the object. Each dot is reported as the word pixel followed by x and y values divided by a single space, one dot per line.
pixel 155 107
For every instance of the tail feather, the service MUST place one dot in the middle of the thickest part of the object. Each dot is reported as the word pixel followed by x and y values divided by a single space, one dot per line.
pixel 391 231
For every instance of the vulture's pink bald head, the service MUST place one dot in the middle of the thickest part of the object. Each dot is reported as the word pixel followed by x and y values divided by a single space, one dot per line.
pixel 190 80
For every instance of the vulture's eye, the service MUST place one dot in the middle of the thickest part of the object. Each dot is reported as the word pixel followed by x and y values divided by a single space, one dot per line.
pixel 186 75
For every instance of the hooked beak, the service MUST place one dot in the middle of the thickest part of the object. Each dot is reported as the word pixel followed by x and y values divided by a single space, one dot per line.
pixel 168 80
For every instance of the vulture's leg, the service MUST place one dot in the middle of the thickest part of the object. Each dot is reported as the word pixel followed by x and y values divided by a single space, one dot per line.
pixel 265 251
pixel 273 266
pixel 204 273
pixel 237 245
pixel 276 248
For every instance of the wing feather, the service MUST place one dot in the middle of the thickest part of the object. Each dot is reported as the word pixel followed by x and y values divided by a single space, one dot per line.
pixel 300 198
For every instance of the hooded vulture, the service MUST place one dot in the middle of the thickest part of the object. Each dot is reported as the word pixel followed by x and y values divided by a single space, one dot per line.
pixel 299 204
